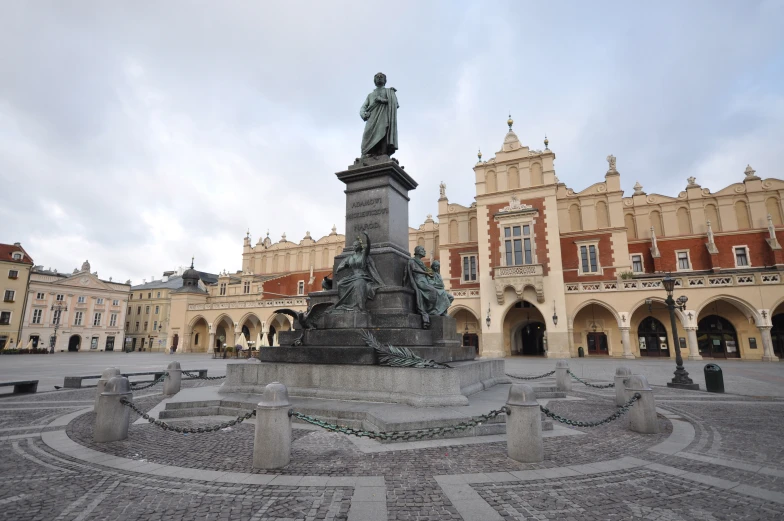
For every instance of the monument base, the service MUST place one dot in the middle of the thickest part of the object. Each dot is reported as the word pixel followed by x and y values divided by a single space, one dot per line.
pixel 370 383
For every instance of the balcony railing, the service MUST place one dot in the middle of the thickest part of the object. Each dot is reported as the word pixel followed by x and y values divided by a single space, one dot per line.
pixel 464 293
pixel 691 281
pixel 525 270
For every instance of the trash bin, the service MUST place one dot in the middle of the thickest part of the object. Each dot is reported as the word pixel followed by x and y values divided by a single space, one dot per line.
pixel 580 352
pixel 714 378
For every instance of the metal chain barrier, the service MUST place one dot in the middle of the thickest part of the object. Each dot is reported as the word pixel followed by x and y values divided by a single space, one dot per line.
pixel 531 377
pixel 186 430
pixel 197 377
pixel 156 382
pixel 577 423
pixel 400 435
pixel 607 386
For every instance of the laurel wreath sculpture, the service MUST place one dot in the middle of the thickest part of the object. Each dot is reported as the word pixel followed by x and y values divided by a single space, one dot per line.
pixel 399 356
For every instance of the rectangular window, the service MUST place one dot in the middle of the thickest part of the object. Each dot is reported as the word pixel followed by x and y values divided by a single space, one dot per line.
pixel 40 296
pixel 518 245
pixel 149 295
pixel 99 301
pixel 301 287
pixel 741 256
pixel 81 299
pixel 246 287
pixel 97 319
pixel 129 310
pixel 637 263
pixel 5 318
pixel 78 318
pixel 589 259
pixel 113 320
pixel 138 310
pixel 13 274
pixel 157 309
pixel 155 325
pixel 9 295
pixel 37 313
pixel 59 297
pixel 158 295
pixel 683 260
pixel 56 316
pixel 127 326
pixel 146 310
pixel 137 327
pixel 145 325
pixel 223 288
pixel 115 302
pixel 469 268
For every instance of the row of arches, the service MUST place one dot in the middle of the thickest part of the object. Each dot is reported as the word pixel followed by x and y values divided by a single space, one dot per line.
pixel 206 336
pixel 512 179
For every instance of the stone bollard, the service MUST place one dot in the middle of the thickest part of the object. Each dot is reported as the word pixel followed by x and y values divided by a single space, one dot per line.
pixel 563 381
pixel 105 376
pixel 173 379
pixel 622 375
pixel 112 417
pixel 272 443
pixel 642 414
pixel 524 425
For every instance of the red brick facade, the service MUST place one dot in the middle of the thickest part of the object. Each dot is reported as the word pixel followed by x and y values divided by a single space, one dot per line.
pixel 456 264
pixel 540 233
pixel 287 284
pixel 571 262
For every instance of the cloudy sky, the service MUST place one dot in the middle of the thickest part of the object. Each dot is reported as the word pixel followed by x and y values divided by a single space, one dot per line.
pixel 136 134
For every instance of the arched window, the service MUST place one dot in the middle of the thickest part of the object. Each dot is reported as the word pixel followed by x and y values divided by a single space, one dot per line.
pixel 421 242
pixel 713 216
pixel 684 221
pixel 631 226
pixel 490 184
pixel 773 207
pixel 325 258
pixel 512 178
pixel 742 215
pixel 453 232
pixel 575 218
pixel 652 338
pixel 536 175
pixel 602 217
pixel 472 230
pixel 655 217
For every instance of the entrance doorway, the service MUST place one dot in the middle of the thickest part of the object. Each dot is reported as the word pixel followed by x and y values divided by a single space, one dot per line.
pixel 716 338
pixel 110 343
pixel 471 339
pixel 74 342
pixel 652 337
pixel 777 334
pixel 597 344
pixel 529 340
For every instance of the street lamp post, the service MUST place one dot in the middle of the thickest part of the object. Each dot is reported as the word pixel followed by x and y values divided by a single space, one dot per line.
pixel 681 379
pixel 58 308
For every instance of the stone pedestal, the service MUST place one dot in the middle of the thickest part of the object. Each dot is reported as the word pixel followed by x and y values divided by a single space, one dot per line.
pixel 272 441
pixel 107 374
pixel 642 415
pixel 524 425
pixel 111 416
pixel 173 379
pixel 563 381
pixel 622 375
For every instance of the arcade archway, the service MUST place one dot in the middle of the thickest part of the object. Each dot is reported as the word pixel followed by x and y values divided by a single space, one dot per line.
pixel 525 332
pixel 74 343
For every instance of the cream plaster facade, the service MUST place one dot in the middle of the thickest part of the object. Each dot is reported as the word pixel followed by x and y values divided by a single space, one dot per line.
pixel 15 267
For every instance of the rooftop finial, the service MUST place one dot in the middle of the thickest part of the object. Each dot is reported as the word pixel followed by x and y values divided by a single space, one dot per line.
pixel 510 121
pixel 192 257
pixel 479 154
pixel 546 143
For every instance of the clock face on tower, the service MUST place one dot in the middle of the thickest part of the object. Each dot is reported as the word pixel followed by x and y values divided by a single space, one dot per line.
pixel 84 281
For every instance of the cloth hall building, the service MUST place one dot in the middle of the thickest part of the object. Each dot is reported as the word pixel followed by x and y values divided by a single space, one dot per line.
pixel 539 269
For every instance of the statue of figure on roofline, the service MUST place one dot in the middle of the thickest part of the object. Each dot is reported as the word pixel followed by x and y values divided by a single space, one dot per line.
pixel 379 112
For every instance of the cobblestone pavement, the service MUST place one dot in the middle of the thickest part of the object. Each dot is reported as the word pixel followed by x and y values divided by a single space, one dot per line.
pixel 727 464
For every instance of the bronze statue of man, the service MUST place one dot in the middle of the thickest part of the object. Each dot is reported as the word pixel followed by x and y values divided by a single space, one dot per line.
pixel 380 115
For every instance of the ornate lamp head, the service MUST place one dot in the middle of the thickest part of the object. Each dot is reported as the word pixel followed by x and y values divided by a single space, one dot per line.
pixel 669 284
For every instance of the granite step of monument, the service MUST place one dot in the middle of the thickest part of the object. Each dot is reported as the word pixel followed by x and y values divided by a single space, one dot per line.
pixel 400 336
pixel 359 355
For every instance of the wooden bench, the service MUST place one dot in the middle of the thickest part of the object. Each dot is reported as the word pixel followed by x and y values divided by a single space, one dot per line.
pixel 22 386
pixel 75 382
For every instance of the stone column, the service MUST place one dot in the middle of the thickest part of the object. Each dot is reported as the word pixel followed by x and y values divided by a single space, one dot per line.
pixel 272 443
pixel 211 348
pixel 627 345
pixel 563 381
pixel 642 414
pixel 622 375
pixel 524 425
pixel 111 416
pixel 767 345
pixel 694 346
pixel 107 374
pixel 173 379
